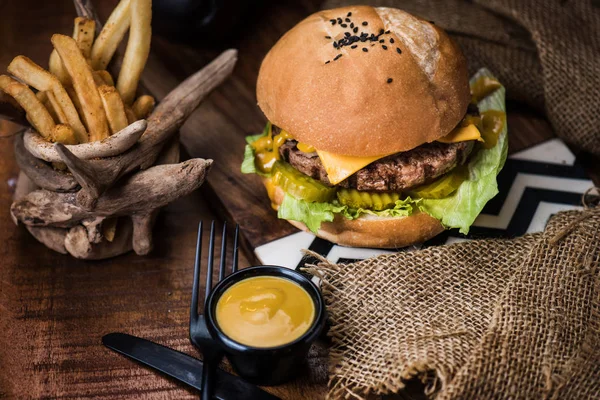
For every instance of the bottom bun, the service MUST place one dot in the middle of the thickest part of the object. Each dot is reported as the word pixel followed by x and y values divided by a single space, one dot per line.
pixel 369 230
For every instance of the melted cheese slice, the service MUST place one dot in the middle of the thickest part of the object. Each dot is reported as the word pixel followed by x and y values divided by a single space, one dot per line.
pixel 340 167
pixel 462 134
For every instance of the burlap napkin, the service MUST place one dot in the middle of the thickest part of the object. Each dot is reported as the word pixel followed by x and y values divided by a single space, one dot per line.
pixel 546 53
pixel 515 319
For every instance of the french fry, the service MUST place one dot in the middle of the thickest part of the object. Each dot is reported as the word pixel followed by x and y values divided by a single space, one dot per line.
pixel 109 228
pixel 113 107
pixel 75 99
pixel 111 35
pixel 55 109
pixel 43 98
pixel 63 134
pixel 131 117
pixel 37 114
pixel 105 76
pixel 83 83
pixel 34 75
pixel 98 79
pixel 56 68
pixel 83 33
pixel 143 106
pixel 138 48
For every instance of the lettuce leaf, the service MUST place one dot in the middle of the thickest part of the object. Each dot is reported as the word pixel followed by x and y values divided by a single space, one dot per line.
pixel 313 214
pixel 461 208
pixel 248 166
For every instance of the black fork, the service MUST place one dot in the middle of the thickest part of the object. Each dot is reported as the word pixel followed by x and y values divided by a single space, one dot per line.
pixel 199 335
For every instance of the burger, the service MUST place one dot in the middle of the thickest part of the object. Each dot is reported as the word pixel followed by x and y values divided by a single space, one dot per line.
pixel 376 137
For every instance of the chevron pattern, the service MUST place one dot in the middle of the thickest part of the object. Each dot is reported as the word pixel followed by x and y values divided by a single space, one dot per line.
pixel 534 184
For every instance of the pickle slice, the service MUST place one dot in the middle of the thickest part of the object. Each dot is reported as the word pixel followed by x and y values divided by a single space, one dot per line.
pixel 299 185
pixel 444 186
pixel 367 200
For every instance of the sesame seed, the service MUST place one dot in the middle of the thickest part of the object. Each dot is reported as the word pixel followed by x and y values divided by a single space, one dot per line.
pixel 349 14
pixel 398 50
pixel 347 34
pixel 355 30
pixel 365 49
pixel 354 46
pixel 327 37
pixel 327 62
pixel 384 47
pixel 352 25
pixel 382 41
pixel 365 23
pixel 344 25
pixel 339 20
pixel 381 31
pixel 335 45
pixel 338 56
pixel 347 20
pixel 333 21
pixel 431 22
pixel 392 40
pixel 389 80
pixel 363 39
pixel 387 32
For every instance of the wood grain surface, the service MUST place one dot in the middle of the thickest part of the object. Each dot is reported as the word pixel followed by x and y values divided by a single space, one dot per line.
pixel 54 309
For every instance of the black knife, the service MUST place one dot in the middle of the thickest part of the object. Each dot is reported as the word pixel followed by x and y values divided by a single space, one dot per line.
pixel 182 367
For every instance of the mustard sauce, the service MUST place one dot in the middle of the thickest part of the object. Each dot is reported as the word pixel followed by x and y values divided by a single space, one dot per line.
pixel 267 149
pixel 483 87
pixel 492 123
pixel 265 311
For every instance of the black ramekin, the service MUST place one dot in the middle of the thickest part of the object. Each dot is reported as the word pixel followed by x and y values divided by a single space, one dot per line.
pixel 266 366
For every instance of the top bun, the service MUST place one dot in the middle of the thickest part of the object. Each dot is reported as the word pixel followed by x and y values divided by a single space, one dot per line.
pixel 364 101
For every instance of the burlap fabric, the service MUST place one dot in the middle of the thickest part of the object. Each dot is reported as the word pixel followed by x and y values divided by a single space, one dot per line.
pixel 516 319
pixel 546 53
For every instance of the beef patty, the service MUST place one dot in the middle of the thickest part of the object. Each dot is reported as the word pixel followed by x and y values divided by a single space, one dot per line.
pixel 400 171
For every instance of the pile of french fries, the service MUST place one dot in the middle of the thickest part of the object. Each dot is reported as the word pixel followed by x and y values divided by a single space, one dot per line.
pixel 77 100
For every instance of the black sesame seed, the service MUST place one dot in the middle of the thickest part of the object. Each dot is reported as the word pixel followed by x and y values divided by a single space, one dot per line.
pixel 392 40
pixel 382 41
pixel 347 20
pixel 349 14
pixel 398 50
pixel 338 56
pixel 384 47
pixel 363 39
pixel 387 32
pixel 339 20
pixel 355 30
pixel 333 21
pixel 365 49
pixel 327 37
pixel 352 25
pixel 344 25
pixel 327 62
pixel 347 34
pixel 381 31
pixel 372 44
pixel 365 23
pixel 389 80
pixel 354 46
pixel 431 22
pixel 335 45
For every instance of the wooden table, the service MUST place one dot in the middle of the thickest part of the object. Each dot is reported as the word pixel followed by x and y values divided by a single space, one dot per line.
pixel 55 309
